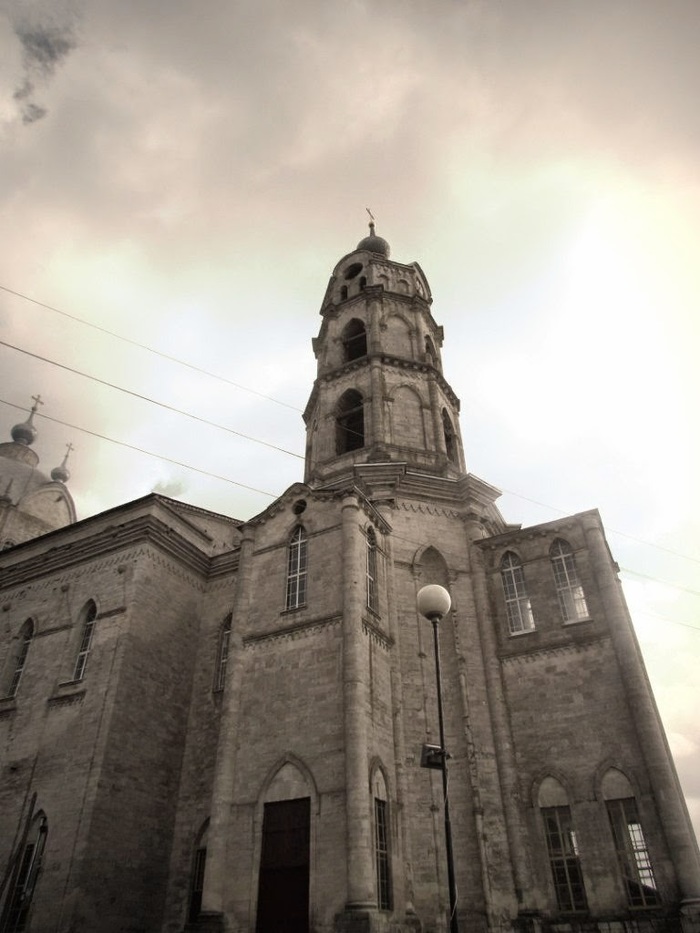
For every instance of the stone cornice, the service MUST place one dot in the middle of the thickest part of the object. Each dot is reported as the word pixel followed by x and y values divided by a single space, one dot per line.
pixel 388 360
pixel 533 654
pixel 59 556
pixel 545 530
pixel 292 632
pixel 377 635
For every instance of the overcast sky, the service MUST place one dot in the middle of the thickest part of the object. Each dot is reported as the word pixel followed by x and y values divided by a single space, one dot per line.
pixel 186 175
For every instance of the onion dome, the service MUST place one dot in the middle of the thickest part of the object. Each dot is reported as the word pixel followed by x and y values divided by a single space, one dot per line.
pixel 25 433
pixel 374 243
pixel 61 474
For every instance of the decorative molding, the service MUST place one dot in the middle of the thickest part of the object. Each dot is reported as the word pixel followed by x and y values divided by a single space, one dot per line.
pixel 293 632
pixel 66 699
pixel 76 551
pixel 108 613
pixel 534 654
pixel 377 635
pixel 425 509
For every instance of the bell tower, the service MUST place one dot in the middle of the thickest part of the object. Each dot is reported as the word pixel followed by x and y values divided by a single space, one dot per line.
pixel 379 394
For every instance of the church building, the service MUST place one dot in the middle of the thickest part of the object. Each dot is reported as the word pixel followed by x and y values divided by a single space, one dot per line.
pixel 214 724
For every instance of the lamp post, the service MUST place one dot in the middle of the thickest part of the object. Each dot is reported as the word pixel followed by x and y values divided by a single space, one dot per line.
pixel 434 603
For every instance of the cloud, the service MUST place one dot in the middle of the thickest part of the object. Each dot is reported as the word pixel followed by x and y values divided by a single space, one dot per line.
pixel 44 47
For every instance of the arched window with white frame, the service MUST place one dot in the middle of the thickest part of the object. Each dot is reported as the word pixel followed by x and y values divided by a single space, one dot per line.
pixel 631 847
pixel 518 608
pixel 18 659
pixel 572 600
pixel 222 655
pixel 297 569
pixel 562 846
pixel 88 616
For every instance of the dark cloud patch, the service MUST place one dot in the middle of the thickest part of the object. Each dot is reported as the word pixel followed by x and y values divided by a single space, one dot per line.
pixel 43 49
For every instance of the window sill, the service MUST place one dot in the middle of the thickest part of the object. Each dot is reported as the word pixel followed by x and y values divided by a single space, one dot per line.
pixel 576 621
pixel 8 706
pixel 71 691
pixel 527 631
pixel 286 612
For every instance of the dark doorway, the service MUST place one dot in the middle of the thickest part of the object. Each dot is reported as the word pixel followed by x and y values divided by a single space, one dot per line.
pixel 283 889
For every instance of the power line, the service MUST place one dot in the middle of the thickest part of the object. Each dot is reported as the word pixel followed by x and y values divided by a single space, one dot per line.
pixel 148 453
pixel 673 586
pixel 272 495
pixel 270 398
pixel 145 398
pixel 141 346
pixel 255 440
pixel 612 531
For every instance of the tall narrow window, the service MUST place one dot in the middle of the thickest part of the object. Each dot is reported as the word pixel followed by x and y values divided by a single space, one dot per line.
pixel 382 836
pixel 355 340
pixel 20 659
pixel 632 853
pixel 297 565
pixel 350 422
pixel 19 897
pixel 569 590
pixel 199 863
pixel 450 446
pixel 518 606
pixel 222 658
pixel 89 616
pixel 381 844
pixel 198 866
pixel 562 848
pixel 372 595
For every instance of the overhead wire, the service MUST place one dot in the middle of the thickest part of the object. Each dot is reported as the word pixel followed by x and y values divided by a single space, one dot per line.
pixel 148 453
pixel 272 495
pixel 152 401
pixel 142 346
pixel 200 370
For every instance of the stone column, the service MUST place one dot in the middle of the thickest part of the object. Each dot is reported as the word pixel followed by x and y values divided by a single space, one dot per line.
pixel 404 855
pixel 216 877
pixel 436 413
pixel 516 832
pixel 360 894
pixel 662 774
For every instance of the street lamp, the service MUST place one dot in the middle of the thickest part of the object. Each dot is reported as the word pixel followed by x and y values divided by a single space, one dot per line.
pixel 434 603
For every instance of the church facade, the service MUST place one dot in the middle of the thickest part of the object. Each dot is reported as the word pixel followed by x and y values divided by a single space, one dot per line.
pixel 212 724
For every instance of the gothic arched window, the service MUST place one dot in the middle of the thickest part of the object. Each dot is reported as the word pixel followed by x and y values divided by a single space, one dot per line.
pixel 630 842
pixel 297 565
pixel 19 660
pixel 222 656
pixel 350 422
pixel 89 614
pixel 562 846
pixel 21 891
pixel 450 445
pixel 569 590
pixel 199 863
pixel 382 854
pixel 518 606
pixel 354 340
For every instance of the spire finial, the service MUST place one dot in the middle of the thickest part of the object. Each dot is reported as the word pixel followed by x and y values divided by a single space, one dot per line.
pixel 60 474
pixel 37 401
pixel 371 221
